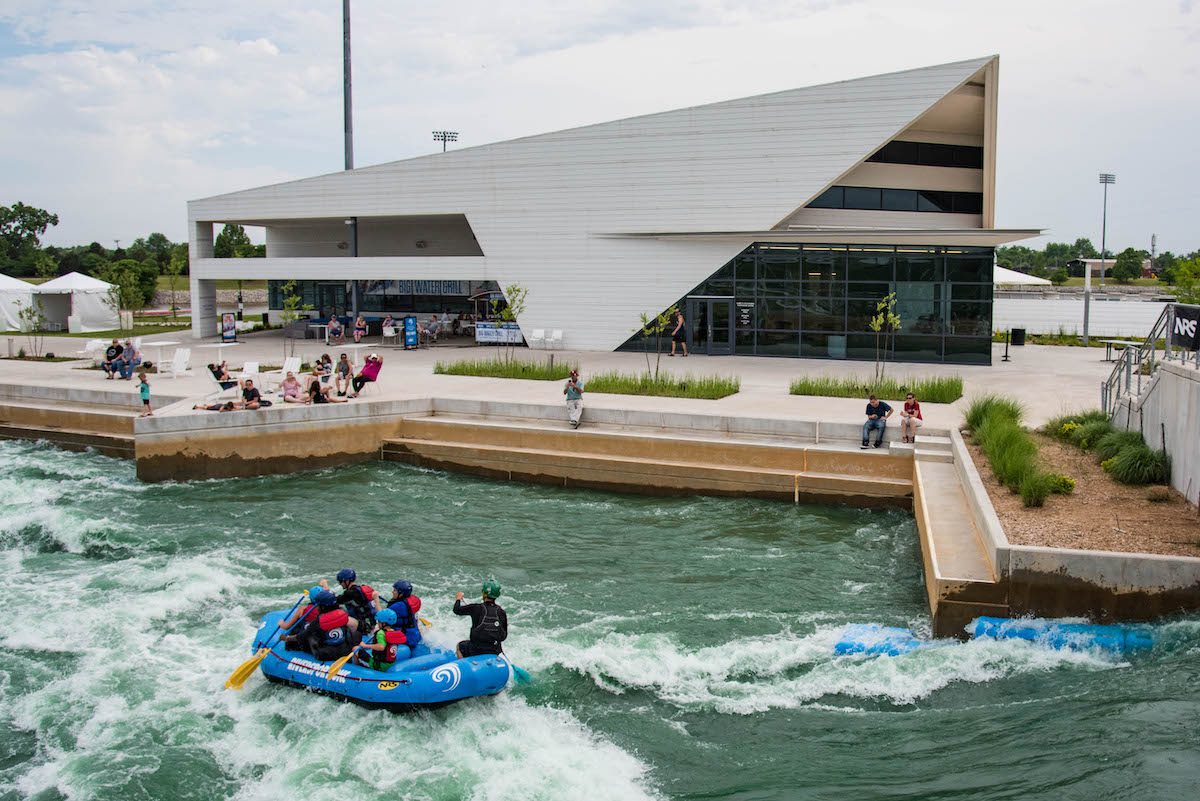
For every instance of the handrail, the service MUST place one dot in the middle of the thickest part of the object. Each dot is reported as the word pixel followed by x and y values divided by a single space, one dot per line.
pixel 1133 359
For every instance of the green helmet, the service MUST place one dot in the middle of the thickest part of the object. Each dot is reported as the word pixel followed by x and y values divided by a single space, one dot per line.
pixel 491 588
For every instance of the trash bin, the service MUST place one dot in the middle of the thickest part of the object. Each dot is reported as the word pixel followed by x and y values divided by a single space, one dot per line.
pixel 1018 336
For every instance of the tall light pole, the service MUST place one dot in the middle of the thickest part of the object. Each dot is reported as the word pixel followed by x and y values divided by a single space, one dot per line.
pixel 1106 178
pixel 444 137
pixel 348 128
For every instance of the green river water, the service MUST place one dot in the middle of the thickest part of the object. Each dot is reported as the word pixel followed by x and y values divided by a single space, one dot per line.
pixel 680 649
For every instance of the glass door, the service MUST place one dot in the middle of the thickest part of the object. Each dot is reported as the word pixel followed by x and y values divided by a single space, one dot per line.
pixel 710 325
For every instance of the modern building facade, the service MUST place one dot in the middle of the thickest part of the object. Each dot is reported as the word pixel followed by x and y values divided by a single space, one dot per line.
pixel 775 222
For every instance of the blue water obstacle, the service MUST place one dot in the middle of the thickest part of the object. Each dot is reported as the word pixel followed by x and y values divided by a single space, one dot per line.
pixel 433 677
pixel 871 639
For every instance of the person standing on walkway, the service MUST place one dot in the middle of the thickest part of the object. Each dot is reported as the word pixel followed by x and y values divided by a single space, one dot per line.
pixel 679 334
pixel 878 413
pixel 574 392
pixel 144 391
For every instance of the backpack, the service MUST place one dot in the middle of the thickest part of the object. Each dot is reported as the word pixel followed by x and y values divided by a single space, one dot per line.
pixel 490 629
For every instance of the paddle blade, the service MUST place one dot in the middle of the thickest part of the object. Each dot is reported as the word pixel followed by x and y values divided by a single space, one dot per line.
pixel 338 665
pixel 245 670
pixel 425 622
pixel 521 676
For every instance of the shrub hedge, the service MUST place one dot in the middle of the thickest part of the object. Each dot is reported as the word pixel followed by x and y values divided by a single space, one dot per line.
pixel 1124 455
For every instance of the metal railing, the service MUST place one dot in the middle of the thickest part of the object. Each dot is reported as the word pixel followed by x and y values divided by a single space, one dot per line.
pixel 1138 362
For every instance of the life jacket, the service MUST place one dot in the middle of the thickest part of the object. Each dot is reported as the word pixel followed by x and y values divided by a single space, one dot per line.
pixel 333 637
pixel 382 660
pixel 406 611
pixel 489 630
pixel 362 609
pixel 307 616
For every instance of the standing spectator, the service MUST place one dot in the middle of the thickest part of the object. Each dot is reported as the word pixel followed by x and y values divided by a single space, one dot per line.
pixel 343 372
pixel 369 372
pixel 360 328
pixel 910 418
pixel 144 391
pixel 112 354
pixel 878 413
pixel 574 392
pixel 679 334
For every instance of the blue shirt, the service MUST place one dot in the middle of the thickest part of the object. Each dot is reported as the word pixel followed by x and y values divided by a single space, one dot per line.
pixel 879 410
pixel 145 390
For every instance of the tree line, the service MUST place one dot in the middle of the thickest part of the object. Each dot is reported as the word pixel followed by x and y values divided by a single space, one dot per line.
pixel 1052 262
pixel 133 269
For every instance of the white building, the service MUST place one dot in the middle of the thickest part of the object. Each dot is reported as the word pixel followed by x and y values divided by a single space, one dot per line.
pixel 775 221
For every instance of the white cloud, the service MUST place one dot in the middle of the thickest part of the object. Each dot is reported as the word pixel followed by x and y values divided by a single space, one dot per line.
pixel 115 114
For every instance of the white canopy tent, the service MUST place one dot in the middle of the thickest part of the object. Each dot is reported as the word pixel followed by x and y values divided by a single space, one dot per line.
pixel 1002 276
pixel 14 295
pixel 78 303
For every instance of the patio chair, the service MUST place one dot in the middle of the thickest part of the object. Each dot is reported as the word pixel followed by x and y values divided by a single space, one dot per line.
pixel 556 339
pixel 219 391
pixel 537 338
pixel 391 332
pixel 93 350
pixel 178 365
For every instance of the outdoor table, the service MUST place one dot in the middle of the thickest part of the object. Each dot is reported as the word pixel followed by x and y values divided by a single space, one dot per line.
pixel 1110 343
pixel 354 349
pixel 158 347
pixel 324 330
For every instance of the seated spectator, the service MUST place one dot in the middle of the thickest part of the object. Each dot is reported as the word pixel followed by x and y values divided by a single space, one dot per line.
pixel 251 397
pixel 343 372
pixel 878 413
pixel 222 375
pixel 337 334
pixel 290 389
pixel 911 418
pixel 323 367
pixel 112 355
pixel 360 328
pixel 321 393
pixel 388 322
pixel 130 360
pixel 369 372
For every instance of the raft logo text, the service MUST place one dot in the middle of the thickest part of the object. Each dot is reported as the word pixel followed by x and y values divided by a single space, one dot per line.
pixel 306 668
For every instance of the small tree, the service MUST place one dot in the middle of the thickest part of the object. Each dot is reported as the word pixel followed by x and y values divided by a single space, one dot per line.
pixel 292 306
pixel 515 297
pixel 1059 276
pixel 884 323
pixel 1187 280
pixel 32 323
pixel 173 270
pixel 1128 266
pixel 134 282
pixel 656 327
pixel 45 265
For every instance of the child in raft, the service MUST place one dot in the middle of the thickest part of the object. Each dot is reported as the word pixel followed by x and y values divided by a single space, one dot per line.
pixel 386 646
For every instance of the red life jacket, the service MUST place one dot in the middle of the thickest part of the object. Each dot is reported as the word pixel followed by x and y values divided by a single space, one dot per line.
pixel 391 638
pixel 310 613
pixel 414 603
pixel 332 620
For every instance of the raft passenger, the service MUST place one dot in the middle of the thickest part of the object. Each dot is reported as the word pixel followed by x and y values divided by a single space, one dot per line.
pixel 406 605
pixel 304 614
pixel 357 598
pixel 386 646
pixel 334 633
pixel 489 623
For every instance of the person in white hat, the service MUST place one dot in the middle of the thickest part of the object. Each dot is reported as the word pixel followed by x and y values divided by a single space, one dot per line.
pixel 369 373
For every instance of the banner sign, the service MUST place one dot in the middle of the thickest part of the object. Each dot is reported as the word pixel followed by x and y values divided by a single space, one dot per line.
pixel 228 327
pixel 410 332
pixel 411 287
pixel 498 333
pixel 1184 327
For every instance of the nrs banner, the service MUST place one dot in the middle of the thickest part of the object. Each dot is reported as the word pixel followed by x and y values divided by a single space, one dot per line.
pixel 1185 327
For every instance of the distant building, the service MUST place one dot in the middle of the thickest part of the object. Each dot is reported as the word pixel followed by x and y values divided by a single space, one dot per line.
pixel 1076 267
pixel 776 223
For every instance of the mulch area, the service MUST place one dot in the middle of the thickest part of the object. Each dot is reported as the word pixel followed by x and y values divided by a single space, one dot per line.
pixel 1101 514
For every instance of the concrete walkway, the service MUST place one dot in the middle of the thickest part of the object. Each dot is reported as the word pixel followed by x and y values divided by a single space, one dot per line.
pixel 1048 380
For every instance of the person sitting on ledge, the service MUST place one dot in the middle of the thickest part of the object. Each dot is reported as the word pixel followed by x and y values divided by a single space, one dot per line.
pixel 369 373
pixel 112 358
pixel 131 359
pixel 251 397
pixel 290 389
pixel 319 392
pixel 911 418
pixel 343 372
pixel 878 413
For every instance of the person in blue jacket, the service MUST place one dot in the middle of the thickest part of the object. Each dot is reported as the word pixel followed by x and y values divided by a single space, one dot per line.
pixel 406 605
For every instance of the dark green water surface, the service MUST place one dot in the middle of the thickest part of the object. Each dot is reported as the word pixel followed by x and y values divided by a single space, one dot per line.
pixel 680 648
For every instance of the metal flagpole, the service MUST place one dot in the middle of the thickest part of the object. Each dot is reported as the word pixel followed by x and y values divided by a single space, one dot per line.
pixel 348 126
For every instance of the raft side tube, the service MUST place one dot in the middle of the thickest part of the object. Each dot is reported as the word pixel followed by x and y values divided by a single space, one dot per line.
pixel 1117 638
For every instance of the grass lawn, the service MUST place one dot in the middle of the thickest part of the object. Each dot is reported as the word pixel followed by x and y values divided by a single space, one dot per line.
pixel 136 331
pixel 1078 281
pixel 930 390
pixel 500 368
pixel 705 387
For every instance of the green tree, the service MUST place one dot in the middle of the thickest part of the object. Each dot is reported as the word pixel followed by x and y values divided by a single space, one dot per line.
pixel 1059 276
pixel 292 307
pixel 884 323
pixel 515 297
pixel 655 327
pixel 45 265
pixel 174 269
pixel 1084 249
pixel 1128 266
pixel 1166 264
pixel 93 263
pixel 32 322
pixel 232 243
pixel 1187 280
pixel 21 228
pixel 135 282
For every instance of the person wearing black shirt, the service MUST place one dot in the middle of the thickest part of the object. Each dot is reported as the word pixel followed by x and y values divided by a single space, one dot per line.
pixel 111 355
pixel 251 397
pixel 489 623
pixel 878 413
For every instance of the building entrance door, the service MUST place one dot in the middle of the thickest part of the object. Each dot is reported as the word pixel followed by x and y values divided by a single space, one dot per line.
pixel 331 299
pixel 710 325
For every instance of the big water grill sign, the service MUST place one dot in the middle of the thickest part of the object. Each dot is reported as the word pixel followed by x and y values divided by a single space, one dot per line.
pixel 1185 327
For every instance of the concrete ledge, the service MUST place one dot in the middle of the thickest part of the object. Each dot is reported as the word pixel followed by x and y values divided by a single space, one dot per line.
pixel 35 394
pixel 995 543
pixel 73 440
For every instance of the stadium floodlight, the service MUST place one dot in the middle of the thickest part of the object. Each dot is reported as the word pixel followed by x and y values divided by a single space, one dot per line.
pixel 444 137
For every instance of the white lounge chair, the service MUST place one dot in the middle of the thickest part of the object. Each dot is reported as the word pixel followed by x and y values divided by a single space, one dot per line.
pixel 537 338
pixel 178 365
pixel 219 391
pixel 556 339
pixel 390 332
pixel 93 350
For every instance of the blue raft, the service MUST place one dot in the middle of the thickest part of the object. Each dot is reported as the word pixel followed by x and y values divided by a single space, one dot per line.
pixel 432 677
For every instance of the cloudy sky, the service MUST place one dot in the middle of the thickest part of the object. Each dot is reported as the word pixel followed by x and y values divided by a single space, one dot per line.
pixel 114 114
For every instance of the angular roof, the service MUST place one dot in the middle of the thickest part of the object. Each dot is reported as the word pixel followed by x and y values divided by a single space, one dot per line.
pixel 73 282
pixel 8 282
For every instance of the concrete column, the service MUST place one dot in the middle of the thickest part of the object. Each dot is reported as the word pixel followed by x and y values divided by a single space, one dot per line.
pixel 204 307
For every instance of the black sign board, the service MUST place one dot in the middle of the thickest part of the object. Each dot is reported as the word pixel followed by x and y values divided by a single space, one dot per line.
pixel 745 315
pixel 1185 327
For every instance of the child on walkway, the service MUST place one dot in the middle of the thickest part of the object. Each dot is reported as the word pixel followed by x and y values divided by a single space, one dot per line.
pixel 144 390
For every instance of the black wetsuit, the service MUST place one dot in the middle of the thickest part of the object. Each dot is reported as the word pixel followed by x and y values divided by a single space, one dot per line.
pixel 484 639
pixel 358 607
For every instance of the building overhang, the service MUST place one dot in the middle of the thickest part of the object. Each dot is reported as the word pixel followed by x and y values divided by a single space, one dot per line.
pixel 839 235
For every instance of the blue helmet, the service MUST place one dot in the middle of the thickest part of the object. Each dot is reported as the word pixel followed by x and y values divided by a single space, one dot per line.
pixel 326 599
pixel 313 593
pixel 403 587
pixel 386 616
pixel 346 574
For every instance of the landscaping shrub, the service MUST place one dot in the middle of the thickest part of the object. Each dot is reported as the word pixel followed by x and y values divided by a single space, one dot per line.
pixel 932 390
pixel 706 387
pixel 1088 433
pixel 1111 443
pixel 1060 484
pixel 986 406
pixel 1139 464
pixel 1064 426
pixel 500 368
pixel 1158 495
pixel 1034 488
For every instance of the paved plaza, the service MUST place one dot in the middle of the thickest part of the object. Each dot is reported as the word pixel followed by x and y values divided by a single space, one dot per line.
pixel 1048 380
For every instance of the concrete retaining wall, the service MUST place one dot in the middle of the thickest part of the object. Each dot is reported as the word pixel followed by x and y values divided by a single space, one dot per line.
pixel 1168 415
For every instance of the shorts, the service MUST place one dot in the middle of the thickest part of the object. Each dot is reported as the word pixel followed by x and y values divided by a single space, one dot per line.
pixel 146 403
pixel 679 336
pixel 468 648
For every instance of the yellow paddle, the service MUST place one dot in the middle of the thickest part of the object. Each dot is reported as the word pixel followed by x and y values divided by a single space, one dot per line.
pixel 245 670
pixel 425 622
pixel 336 667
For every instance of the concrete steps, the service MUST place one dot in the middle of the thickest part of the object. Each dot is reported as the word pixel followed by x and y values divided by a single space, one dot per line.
pixel 959 577
pixel 653 462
